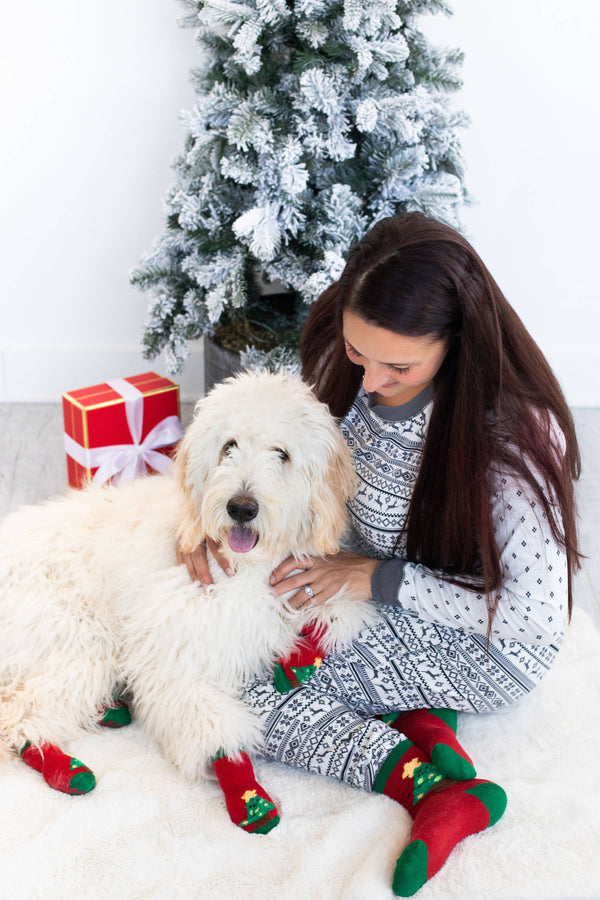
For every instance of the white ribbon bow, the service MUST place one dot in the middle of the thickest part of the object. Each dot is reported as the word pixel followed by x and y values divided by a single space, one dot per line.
pixel 122 462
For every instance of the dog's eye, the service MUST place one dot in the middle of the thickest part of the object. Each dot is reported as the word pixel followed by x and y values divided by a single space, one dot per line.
pixel 283 455
pixel 229 446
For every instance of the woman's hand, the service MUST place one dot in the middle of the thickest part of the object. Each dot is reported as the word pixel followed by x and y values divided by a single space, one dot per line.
pixel 324 577
pixel 197 562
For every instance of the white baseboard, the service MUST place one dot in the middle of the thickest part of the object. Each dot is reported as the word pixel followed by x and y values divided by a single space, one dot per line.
pixel 41 374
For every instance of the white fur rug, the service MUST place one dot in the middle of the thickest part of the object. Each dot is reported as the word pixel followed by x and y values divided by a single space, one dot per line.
pixel 145 833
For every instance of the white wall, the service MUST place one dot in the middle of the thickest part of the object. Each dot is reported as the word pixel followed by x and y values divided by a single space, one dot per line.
pixel 90 95
pixel 531 83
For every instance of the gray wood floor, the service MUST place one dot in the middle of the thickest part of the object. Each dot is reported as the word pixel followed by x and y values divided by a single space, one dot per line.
pixel 32 468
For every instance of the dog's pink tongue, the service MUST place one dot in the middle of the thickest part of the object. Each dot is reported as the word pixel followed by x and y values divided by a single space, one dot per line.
pixel 241 539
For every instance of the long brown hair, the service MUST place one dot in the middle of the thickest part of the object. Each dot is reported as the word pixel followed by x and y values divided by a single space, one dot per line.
pixel 497 404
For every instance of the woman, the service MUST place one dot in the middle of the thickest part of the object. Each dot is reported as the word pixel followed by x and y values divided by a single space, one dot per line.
pixel 462 529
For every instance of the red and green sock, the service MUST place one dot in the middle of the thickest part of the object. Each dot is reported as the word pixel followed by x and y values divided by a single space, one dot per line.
pixel 443 812
pixel 302 662
pixel 434 731
pixel 62 772
pixel 249 806
pixel 117 715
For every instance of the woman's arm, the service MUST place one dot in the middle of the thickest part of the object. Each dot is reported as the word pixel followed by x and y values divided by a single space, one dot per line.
pixel 532 605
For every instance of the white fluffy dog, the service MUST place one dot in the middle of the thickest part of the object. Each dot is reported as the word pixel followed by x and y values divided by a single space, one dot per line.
pixel 92 599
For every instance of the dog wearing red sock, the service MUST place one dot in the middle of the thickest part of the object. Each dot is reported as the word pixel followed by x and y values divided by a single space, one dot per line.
pixel 92 601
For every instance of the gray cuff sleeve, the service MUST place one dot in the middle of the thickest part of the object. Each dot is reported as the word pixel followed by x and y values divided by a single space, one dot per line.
pixel 386 581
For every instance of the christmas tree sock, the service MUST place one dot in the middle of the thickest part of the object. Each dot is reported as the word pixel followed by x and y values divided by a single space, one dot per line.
pixel 434 731
pixel 303 661
pixel 249 806
pixel 62 772
pixel 443 812
pixel 117 715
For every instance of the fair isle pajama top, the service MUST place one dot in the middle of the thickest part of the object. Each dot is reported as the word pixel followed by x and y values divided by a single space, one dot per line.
pixel 429 647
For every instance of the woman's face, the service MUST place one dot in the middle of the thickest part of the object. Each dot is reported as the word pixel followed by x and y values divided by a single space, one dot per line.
pixel 397 368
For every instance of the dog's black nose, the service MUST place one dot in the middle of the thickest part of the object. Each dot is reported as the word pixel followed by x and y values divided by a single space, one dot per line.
pixel 242 509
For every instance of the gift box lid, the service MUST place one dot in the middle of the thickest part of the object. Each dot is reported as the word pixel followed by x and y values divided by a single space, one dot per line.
pixel 102 395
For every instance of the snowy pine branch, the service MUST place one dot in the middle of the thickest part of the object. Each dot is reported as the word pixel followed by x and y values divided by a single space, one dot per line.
pixel 313 119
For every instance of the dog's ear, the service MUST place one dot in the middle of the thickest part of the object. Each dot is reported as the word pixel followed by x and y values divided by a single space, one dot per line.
pixel 190 475
pixel 330 492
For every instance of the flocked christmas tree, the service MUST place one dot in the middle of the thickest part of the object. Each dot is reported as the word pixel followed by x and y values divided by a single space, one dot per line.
pixel 314 119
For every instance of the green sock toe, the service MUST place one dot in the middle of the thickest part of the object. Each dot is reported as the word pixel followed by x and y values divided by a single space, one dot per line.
pixel 267 827
pixel 451 763
pixel 116 717
pixel 493 798
pixel 82 782
pixel 411 869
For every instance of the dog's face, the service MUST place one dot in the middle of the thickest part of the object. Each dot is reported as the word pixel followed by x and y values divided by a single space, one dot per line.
pixel 264 470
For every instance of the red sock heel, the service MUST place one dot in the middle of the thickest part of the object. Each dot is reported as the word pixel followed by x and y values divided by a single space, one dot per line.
pixel 434 731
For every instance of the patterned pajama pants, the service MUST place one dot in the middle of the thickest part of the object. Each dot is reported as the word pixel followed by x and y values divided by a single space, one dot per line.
pixel 402 663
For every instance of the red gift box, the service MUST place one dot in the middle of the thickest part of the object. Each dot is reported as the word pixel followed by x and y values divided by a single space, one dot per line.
pixel 121 428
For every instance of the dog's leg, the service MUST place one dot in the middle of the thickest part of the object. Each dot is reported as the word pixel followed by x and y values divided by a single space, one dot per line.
pixel 61 771
pixel 193 720
pixel 248 804
pixel 60 699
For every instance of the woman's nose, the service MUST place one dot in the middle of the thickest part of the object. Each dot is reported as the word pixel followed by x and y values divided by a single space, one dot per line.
pixel 375 376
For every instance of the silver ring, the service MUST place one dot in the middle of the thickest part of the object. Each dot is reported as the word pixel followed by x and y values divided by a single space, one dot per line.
pixel 309 591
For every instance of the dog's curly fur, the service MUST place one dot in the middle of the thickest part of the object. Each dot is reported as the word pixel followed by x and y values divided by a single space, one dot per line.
pixel 92 599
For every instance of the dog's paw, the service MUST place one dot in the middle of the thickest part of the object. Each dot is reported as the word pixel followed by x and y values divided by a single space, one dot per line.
pixel 115 716
pixel 301 664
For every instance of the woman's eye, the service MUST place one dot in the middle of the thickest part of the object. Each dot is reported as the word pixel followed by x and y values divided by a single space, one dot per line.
pixel 352 352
